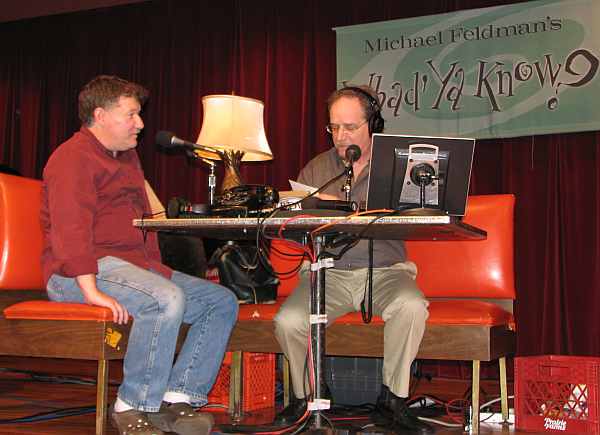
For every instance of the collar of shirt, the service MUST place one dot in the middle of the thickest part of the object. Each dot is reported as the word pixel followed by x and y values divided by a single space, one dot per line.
pixel 101 148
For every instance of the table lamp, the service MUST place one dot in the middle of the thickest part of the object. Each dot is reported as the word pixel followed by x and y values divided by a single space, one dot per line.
pixel 233 126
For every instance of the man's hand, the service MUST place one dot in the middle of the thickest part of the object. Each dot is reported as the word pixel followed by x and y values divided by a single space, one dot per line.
pixel 93 296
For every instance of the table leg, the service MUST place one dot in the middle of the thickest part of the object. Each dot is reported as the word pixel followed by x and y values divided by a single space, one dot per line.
pixel 317 330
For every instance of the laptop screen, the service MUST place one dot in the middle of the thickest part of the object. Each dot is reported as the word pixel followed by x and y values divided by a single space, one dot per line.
pixel 419 171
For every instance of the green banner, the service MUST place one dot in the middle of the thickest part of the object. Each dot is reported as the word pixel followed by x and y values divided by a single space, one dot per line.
pixel 505 71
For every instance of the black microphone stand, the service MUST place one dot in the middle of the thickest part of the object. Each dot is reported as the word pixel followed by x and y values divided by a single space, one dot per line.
pixel 352 155
pixel 347 187
pixel 212 177
pixel 212 180
pixel 423 175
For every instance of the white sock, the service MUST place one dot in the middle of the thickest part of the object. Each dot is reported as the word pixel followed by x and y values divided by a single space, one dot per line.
pixel 121 406
pixel 175 397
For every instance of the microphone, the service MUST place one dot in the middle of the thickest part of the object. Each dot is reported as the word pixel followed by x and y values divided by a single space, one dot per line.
pixel 352 154
pixel 167 139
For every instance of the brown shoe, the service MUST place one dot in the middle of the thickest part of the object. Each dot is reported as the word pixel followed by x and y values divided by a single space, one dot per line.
pixel 182 419
pixel 133 422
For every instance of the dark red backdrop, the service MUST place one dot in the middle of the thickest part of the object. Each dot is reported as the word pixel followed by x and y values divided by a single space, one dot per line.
pixel 284 54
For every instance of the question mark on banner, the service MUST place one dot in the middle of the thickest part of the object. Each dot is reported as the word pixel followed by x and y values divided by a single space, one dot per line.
pixel 587 77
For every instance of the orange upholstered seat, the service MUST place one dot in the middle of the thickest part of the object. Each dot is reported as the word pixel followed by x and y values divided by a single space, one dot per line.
pixel 47 310
pixel 440 313
pixel 20 233
pixel 259 311
pixel 473 269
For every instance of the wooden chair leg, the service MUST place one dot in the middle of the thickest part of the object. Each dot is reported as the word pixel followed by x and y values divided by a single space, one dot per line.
pixel 503 389
pixel 235 385
pixel 101 396
pixel 475 397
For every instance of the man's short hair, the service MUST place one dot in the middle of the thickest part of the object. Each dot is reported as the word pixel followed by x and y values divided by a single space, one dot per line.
pixel 362 92
pixel 105 91
pixel 368 100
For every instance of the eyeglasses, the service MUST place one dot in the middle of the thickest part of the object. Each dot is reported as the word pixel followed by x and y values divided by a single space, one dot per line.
pixel 350 128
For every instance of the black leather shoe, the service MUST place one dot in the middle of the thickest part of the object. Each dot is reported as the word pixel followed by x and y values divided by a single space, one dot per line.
pixel 291 413
pixel 405 421
pixel 296 409
pixel 182 419
pixel 383 415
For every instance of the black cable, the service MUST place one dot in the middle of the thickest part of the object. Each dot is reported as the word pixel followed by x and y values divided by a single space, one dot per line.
pixel 366 305
pixel 147 216
pixel 351 242
pixel 282 207
pixel 292 272
pixel 299 256
pixel 56 414
pixel 261 231
pixel 52 415
pixel 58 379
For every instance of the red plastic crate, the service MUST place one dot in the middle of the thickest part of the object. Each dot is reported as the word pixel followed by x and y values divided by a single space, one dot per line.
pixel 557 394
pixel 258 382
pixel 219 394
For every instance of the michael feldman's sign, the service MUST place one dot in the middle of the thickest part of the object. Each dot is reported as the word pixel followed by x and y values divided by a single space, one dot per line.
pixel 523 69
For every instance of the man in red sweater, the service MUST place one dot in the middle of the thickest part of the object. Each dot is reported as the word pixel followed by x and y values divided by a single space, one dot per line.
pixel 93 188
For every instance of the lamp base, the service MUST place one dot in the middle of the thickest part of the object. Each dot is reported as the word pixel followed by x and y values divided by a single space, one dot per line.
pixel 231 165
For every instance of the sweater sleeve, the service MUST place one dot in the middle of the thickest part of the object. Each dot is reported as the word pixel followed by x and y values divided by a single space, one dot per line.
pixel 69 182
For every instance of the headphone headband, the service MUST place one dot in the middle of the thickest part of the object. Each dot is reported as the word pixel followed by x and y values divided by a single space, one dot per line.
pixel 372 100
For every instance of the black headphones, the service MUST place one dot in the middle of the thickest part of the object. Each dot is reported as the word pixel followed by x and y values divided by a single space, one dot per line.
pixel 376 121
pixel 182 208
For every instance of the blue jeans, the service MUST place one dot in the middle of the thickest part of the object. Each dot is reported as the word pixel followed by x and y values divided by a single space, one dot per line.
pixel 159 306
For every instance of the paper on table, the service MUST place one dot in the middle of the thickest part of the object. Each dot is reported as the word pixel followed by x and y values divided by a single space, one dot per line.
pixel 302 187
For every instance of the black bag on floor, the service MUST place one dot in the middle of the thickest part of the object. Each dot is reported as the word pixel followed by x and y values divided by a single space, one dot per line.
pixel 247 274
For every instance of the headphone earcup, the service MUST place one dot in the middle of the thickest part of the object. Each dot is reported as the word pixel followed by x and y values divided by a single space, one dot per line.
pixel 177 207
pixel 376 123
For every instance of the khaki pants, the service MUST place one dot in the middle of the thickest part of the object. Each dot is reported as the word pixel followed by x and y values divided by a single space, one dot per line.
pixel 396 298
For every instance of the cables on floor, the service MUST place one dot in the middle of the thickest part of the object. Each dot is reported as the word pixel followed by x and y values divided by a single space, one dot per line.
pixel 57 379
pixel 52 415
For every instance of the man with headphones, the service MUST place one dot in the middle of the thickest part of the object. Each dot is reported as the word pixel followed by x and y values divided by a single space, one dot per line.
pixel 354 115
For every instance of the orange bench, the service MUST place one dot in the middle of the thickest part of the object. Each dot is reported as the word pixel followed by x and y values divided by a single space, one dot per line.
pixel 470 286
pixel 33 326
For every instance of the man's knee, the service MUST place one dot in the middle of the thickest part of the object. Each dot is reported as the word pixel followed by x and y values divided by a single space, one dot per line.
pixel 414 309
pixel 291 320
pixel 171 300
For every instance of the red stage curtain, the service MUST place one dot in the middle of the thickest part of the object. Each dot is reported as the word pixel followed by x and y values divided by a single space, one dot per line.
pixel 284 54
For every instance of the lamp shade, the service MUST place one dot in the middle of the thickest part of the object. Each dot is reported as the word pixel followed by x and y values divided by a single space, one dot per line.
pixel 233 123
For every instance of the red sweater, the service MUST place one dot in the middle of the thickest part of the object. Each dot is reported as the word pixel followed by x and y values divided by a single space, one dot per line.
pixel 89 200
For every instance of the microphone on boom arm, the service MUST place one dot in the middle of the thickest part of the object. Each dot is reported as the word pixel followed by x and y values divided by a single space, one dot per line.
pixel 352 154
pixel 167 139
